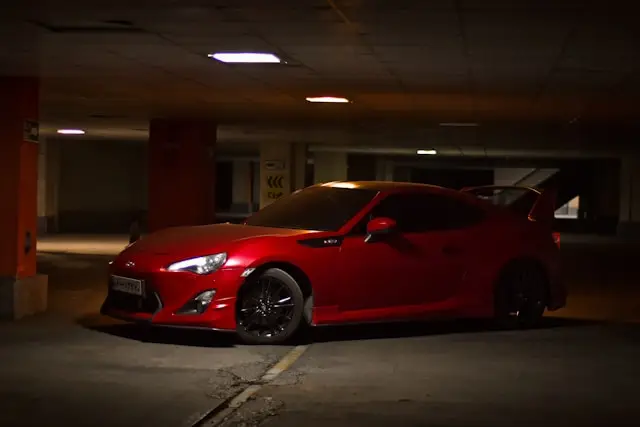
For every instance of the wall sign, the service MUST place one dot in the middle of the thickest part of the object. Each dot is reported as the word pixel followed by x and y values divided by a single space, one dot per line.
pixel 272 195
pixel 275 184
pixel 274 165
pixel 31 131
pixel 275 181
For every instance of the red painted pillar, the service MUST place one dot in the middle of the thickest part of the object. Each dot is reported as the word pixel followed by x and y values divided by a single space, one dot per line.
pixel 181 173
pixel 22 292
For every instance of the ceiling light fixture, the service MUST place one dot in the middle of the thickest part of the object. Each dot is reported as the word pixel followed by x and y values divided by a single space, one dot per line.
pixel 245 58
pixel 329 99
pixel 71 132
pixel 456 124
pixel 427 152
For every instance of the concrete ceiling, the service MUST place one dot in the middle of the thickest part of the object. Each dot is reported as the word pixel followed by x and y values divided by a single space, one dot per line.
pixel 108 66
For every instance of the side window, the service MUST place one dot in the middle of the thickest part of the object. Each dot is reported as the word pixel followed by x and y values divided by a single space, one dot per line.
pixel 416 213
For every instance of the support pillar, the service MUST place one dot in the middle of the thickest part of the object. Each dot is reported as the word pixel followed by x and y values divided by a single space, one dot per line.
pixel 384 169
pixel 299 165
pixel 241 199
pixel 329 166
pixel 181 173
pixel 629 223
pixel 22 291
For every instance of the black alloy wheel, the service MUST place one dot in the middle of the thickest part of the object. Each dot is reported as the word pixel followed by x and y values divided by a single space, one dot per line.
pixel 521 296
pixel 270 308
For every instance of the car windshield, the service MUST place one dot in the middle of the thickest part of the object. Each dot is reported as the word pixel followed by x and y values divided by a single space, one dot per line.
pixel 315 208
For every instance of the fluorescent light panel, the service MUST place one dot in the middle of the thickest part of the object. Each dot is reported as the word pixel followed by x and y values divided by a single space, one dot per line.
pixel 71 132
pixel 427 152
pixel 245 58
pixel 329 99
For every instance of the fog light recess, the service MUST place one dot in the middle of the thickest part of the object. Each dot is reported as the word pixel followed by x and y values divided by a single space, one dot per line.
pixel 199 303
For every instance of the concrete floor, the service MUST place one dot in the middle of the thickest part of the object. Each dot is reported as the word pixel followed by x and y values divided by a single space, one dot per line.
pixel 567 375
pixel 72 367
pixel 82 244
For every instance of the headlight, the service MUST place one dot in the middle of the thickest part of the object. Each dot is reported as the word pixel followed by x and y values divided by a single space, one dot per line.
pixel 201 265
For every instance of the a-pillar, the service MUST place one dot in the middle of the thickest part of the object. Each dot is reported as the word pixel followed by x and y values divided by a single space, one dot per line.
pixel 181 173
pixel 329 166
pixel 282 170
pixel 629 224
pixel 22 291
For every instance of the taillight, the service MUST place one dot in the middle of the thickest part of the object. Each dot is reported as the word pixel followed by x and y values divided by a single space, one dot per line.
pixel 556 239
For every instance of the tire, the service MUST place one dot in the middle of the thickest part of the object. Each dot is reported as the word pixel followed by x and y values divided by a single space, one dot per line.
pixel 521 296
pixel 270 308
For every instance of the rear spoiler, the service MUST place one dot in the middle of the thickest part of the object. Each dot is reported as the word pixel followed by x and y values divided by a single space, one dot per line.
pixel 542 210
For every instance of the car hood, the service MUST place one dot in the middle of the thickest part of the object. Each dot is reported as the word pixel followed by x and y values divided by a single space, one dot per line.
pixel 200 240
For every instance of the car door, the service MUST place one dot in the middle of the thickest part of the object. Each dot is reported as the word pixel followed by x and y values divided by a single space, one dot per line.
pixel 408 267
pixel 417 264
pixel 449 234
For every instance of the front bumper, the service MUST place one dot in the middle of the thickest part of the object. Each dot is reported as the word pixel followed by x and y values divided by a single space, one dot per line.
pixel 165 294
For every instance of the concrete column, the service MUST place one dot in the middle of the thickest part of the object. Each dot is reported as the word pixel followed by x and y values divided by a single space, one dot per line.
pixel 181 173
pixel 629 224
pixel 22 291
pixel 605 192
pixel 329 167
pixel 241 185
pixel 299 164
pixel 275 171
pixel 384 169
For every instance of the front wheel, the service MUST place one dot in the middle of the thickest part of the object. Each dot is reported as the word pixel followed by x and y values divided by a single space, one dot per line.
pixel 270 308
pixel 521 296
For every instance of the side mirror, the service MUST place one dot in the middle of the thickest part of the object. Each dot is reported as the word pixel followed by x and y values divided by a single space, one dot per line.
pixel 378 227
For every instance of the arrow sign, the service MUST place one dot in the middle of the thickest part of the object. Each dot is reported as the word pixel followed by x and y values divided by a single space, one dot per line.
pixel 275 181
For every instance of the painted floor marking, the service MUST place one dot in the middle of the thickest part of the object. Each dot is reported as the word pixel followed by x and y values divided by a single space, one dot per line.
pixel 221 412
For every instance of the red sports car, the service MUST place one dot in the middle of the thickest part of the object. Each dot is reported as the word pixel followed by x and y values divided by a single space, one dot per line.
pixel 348 252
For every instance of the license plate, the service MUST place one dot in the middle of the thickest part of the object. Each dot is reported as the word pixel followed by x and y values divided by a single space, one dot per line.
pixel 126 285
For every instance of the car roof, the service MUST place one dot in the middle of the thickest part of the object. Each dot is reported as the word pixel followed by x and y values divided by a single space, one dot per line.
pixel 399 187
pixel 391 186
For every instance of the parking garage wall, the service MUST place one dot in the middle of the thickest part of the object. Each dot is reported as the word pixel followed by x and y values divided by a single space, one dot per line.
pixel 103 186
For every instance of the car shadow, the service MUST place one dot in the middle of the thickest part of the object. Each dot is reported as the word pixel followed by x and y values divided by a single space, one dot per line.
pixel 159 335
pixel 393 330
pixel 325 334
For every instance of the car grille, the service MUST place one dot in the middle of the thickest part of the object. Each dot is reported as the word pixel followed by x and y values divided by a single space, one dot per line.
pixel 149 303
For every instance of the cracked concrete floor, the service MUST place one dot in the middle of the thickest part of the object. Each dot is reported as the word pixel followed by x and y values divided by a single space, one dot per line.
pixel 580 369
pixel 74 368
pixel 569 373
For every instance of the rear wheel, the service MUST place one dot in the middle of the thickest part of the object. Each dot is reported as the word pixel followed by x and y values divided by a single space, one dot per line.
pixel 521 296
pixel 270 308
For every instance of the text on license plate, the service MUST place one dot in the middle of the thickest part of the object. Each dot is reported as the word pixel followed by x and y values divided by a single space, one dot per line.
pixel 124 284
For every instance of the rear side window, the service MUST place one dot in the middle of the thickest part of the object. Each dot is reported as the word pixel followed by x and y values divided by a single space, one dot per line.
pixel 415 213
